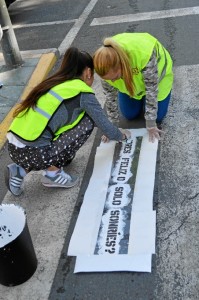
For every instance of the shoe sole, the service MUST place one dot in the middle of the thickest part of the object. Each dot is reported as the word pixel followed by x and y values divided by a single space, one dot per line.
pixel 69 185
pixel 59 186
pixel 7 181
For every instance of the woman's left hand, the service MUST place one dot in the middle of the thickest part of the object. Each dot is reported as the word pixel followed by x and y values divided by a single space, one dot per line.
pixel 105 139
pixel 154 133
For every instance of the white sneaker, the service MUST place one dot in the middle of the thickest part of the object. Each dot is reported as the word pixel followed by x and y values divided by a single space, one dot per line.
pixel 13 179
pixel 61 179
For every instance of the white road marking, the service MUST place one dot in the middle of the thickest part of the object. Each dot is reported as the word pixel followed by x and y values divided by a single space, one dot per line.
pixel 69 38
pixel 71 35
pixel 43 24
pixel 178 12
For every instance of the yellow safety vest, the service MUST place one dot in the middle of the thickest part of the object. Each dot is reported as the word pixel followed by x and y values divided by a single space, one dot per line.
pixel 30 124
pixel 139 47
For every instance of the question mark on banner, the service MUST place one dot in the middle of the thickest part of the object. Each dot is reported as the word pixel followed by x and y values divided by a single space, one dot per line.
pixel 110 251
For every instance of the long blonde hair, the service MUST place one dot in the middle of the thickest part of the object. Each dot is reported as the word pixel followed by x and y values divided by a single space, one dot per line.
pixel 112 56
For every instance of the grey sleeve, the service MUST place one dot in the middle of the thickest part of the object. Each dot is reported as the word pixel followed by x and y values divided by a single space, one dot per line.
pixel 111 104
pixel 90 104
pixel 150 74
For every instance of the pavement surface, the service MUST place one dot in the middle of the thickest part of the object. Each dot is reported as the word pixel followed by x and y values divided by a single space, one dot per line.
pixel 17 83
pixel 51 216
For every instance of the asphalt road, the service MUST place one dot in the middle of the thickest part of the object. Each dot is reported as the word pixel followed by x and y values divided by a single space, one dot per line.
pixel 175 267
pixel 37 26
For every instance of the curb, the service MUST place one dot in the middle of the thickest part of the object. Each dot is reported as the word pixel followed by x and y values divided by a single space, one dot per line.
pixel 45 64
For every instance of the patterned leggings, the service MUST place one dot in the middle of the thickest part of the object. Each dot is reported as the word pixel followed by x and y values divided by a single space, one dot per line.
pixel 59 153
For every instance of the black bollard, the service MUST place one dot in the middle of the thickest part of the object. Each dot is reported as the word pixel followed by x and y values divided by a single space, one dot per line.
pixel 18 261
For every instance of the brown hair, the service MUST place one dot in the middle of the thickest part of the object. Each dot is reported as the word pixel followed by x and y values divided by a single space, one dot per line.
pixel 73 64
pixel 112 56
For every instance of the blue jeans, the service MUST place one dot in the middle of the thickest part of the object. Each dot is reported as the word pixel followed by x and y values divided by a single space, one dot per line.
pixel 131 108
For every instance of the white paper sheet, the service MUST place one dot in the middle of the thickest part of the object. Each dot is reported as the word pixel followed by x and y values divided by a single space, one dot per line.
pixel 116 223
pixel 142 233
pixel 95 263
pixel 144 185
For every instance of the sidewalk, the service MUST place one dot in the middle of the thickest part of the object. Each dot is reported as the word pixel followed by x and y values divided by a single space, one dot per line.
pixel 17 83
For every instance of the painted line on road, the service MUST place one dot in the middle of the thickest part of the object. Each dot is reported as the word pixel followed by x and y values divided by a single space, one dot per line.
pixel 42 69
pixel 69 38
pixel 178 12
pixel 43 24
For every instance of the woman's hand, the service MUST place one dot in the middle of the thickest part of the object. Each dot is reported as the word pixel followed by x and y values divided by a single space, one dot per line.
pixel 126 134
pixel 105 139
pixel 154 133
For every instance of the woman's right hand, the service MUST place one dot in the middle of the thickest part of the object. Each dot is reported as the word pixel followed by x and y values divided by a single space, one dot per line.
pixel 104 139
pixel 126 134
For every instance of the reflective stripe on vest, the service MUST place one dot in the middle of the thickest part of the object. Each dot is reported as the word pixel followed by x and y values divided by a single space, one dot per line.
pixel 42 112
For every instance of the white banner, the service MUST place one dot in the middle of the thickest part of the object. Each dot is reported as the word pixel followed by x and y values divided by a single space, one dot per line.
pixel 115 229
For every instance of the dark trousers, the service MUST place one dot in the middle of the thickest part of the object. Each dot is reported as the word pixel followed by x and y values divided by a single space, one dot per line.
pixel 59 153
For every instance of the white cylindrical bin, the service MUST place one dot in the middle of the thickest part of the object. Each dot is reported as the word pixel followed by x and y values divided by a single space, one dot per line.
pixel 18 261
